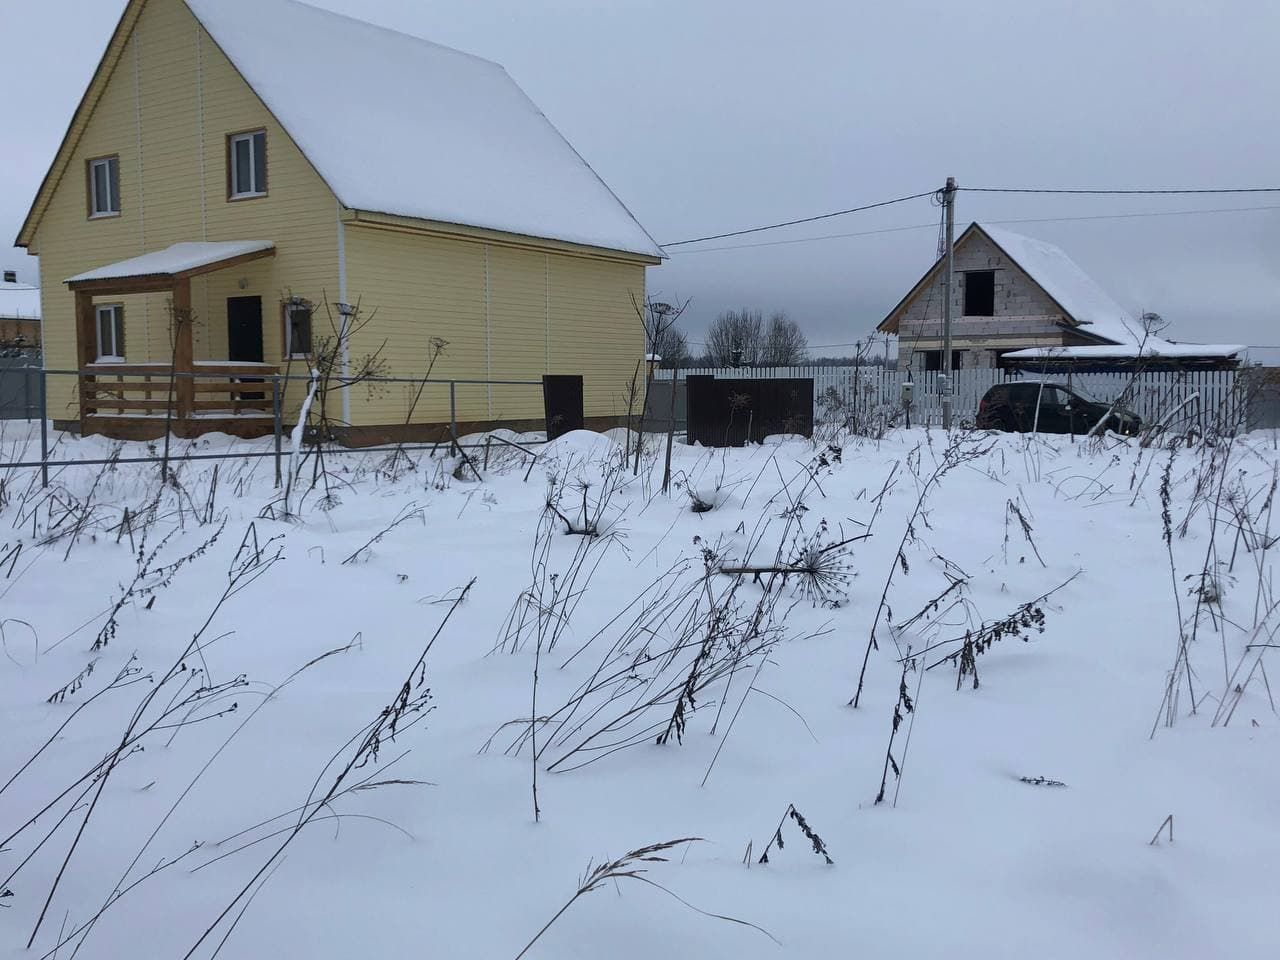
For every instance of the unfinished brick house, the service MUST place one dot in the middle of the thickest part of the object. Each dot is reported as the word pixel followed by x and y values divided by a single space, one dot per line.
pixel 1015 298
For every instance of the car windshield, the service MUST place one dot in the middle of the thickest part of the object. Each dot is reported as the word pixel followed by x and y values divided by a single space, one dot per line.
pixel 1064 392
pixel 1083 395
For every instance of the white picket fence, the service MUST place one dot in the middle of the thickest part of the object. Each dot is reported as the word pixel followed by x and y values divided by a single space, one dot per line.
pixel 1151 396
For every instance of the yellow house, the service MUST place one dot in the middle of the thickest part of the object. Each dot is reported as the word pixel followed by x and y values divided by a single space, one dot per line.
pixel 248 184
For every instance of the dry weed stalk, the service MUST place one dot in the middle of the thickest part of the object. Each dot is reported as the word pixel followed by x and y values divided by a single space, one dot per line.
pixel 409 707
pixel 776 840
pixel 630 866
pixel 961 448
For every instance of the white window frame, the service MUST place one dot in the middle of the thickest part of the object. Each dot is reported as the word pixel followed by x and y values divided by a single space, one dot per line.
pixel 113 184
pixel 116 310
pixel 248 138
pixel 289 307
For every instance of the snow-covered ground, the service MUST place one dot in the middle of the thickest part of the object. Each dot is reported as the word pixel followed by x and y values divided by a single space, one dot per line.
pixel 430 848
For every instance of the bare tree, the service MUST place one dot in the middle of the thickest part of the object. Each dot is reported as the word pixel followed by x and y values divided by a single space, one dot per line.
pixel 784 345
pixel 735 338
pixel 673 348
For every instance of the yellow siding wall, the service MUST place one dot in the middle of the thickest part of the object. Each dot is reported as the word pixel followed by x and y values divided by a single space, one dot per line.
pixel 166 111
pixel 508 313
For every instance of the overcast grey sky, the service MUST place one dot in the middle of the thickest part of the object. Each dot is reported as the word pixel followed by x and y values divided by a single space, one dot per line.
pixel 713 115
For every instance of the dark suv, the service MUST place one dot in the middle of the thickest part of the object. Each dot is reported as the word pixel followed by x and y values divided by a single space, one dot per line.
pixel 1012 406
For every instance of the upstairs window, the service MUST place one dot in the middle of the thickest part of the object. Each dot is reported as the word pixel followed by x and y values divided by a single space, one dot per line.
pixel 104 187
pixel 980 293
pixel 110 325
pixel 297 328
pixel 247 165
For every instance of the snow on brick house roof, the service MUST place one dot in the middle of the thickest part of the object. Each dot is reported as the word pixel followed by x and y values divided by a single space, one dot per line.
pixel 1092 307
pixel 1073 289
pixel 19 301
pixel 398 125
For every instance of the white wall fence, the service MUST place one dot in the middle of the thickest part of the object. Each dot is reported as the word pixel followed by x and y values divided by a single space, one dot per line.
pixel 868 388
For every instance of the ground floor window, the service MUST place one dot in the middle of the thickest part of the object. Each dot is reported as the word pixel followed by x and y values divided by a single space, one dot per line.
pixel 110 331
pixel 933 359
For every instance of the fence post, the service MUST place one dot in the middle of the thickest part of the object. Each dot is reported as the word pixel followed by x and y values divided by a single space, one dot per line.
pixel 276 420
pixel 44 429
pixel 453 418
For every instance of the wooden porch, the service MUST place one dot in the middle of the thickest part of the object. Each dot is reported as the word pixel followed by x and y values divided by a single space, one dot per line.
pixel 136 401
pixel 188 397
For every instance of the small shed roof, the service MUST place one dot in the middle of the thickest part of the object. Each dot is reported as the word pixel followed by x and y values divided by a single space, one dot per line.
pixel 19 301
pixel 179 260
pixel 1155 351
pixel 1153 348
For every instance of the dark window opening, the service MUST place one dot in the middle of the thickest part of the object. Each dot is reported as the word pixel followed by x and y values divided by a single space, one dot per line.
pixel 980 293
pixel 297 329
pixel 933 359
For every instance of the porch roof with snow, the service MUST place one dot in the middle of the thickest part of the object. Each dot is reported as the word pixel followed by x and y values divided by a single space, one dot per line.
pixel 178 262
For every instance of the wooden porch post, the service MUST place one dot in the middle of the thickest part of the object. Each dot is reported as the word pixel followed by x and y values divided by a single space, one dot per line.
pixel 86 349
pixel 184 386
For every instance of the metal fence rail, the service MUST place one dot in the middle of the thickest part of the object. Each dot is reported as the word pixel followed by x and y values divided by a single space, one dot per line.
pixel 31 384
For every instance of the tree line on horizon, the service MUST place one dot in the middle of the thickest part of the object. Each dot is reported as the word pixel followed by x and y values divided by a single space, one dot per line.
pixel 745 338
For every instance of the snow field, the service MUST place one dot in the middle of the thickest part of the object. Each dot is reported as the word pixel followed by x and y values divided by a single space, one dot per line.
pixel 969 860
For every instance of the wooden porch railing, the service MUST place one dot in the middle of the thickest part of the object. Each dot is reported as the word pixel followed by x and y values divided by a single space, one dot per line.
pixel 131 388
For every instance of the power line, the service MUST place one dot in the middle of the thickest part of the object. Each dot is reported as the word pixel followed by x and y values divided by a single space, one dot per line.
pixel 922 226
pixel 1176 190
pixel 1088 191
pixel 829 236
pixel 792 223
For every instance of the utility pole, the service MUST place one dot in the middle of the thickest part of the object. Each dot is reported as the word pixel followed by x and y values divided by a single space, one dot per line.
pixel 949 208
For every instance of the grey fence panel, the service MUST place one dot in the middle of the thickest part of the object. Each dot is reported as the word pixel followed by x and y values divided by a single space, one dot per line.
pixel 19 388
pixel 1194 396
pixel 657 405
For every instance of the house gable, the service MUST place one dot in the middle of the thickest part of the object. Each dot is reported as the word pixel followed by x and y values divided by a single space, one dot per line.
pixel 1018 295
pixel 1033 279
pixel 164 101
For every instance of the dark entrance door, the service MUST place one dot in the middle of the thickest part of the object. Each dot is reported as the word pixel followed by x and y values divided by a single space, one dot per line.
pixel 244 335
pixel 244 329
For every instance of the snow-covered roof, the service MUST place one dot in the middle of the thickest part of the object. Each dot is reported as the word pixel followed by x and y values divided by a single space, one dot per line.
pixel 396 124
pixel 1155 348
pixel 179 258
pixel 19 301
pixel 1073 289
